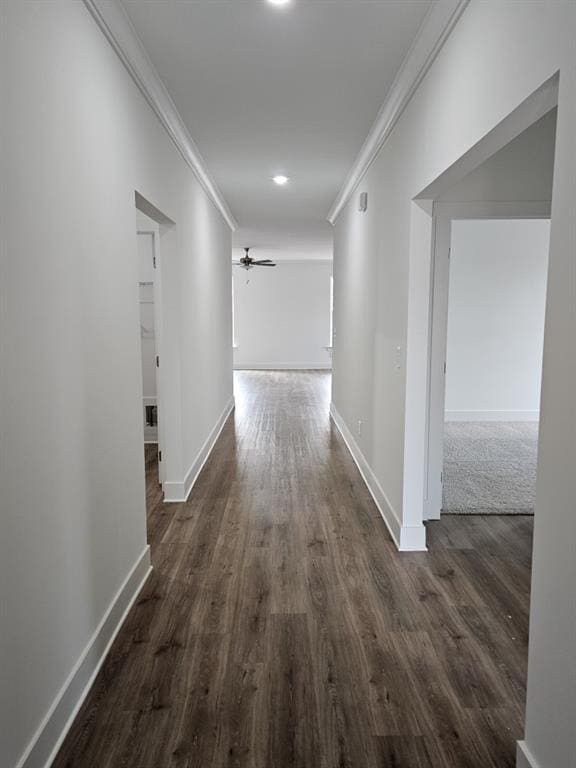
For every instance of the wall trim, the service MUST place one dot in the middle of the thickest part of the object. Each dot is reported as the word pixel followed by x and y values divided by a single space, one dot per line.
pixel 492 415
pixel 283 366
pixel 52 731
pixel 407 538
pixel 524 758
pixel 179 491
pixel 118 30
pixel 431 37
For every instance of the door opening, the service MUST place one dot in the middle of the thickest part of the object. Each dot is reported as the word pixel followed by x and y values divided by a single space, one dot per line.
pixel 147 232
pixel 155 247
pixel 490 271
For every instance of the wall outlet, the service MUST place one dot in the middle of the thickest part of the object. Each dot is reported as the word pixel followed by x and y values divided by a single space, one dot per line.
pixel 359 428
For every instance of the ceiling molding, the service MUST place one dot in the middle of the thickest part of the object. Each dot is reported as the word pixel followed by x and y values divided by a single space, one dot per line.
pixel 118 30
pixel 434 32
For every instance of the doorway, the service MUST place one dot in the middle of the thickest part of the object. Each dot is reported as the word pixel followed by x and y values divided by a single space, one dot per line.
pixel 148 237
pixel 160 403
pixel 490 271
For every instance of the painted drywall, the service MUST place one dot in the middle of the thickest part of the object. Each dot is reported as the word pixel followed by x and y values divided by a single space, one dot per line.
pixel 498 54
pixel 78 139
pixel 497 299
pixel 282 315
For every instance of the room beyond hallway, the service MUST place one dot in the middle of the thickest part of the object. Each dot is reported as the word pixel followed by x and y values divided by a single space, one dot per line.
pixel 280 626
pixel 490 467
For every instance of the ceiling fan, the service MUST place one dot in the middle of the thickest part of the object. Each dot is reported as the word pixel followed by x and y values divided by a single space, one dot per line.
pixel 247 262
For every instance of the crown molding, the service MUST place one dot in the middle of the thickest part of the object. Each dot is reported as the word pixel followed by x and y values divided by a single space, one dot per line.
pixel 118 30
pixel 434 32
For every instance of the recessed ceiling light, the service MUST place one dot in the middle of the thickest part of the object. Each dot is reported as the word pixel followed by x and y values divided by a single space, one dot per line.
pixel 280 180
pixel 279 2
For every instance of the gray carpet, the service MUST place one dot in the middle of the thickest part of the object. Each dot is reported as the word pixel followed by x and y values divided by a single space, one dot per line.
pixel 490 468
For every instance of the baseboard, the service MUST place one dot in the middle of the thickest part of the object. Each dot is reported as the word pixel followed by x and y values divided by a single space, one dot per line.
pixel 524 758
pixel 492 415
pixel 283 366
pixel 177 492
pixel 52 731
pixel 407 538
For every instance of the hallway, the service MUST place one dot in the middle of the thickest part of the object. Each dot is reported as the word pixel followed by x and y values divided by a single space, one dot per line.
pixel 280 626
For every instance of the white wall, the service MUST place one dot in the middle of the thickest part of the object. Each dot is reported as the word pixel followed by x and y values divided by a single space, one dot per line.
pixel 78 139
pixel 498 54
pixel 282 315
pixel 497 299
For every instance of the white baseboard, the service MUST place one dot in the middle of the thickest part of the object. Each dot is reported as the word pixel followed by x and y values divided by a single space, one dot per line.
pixel 492 416
pixel 407 538
pixel 175 491
pixel 52 731
pixel 282 366
pixel 524 758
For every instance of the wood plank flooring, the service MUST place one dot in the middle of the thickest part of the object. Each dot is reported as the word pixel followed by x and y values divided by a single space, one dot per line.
pixel 281 629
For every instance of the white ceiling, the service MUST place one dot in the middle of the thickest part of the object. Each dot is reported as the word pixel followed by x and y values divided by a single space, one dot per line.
pixel 266 90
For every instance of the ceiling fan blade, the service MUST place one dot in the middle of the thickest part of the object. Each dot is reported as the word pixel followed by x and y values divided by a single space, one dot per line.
pixel 262 261
pixel 259 264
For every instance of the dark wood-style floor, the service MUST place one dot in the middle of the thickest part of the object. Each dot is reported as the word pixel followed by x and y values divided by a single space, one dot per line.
pixel 281 628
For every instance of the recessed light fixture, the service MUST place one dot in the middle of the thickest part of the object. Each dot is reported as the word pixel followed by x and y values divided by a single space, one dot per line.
pixel 278 2
pixel 280 180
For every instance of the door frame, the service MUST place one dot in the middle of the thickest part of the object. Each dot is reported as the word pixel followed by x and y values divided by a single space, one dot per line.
pixel 443 213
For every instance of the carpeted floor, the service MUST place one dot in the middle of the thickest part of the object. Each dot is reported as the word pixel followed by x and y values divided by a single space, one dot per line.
pixel 490 468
